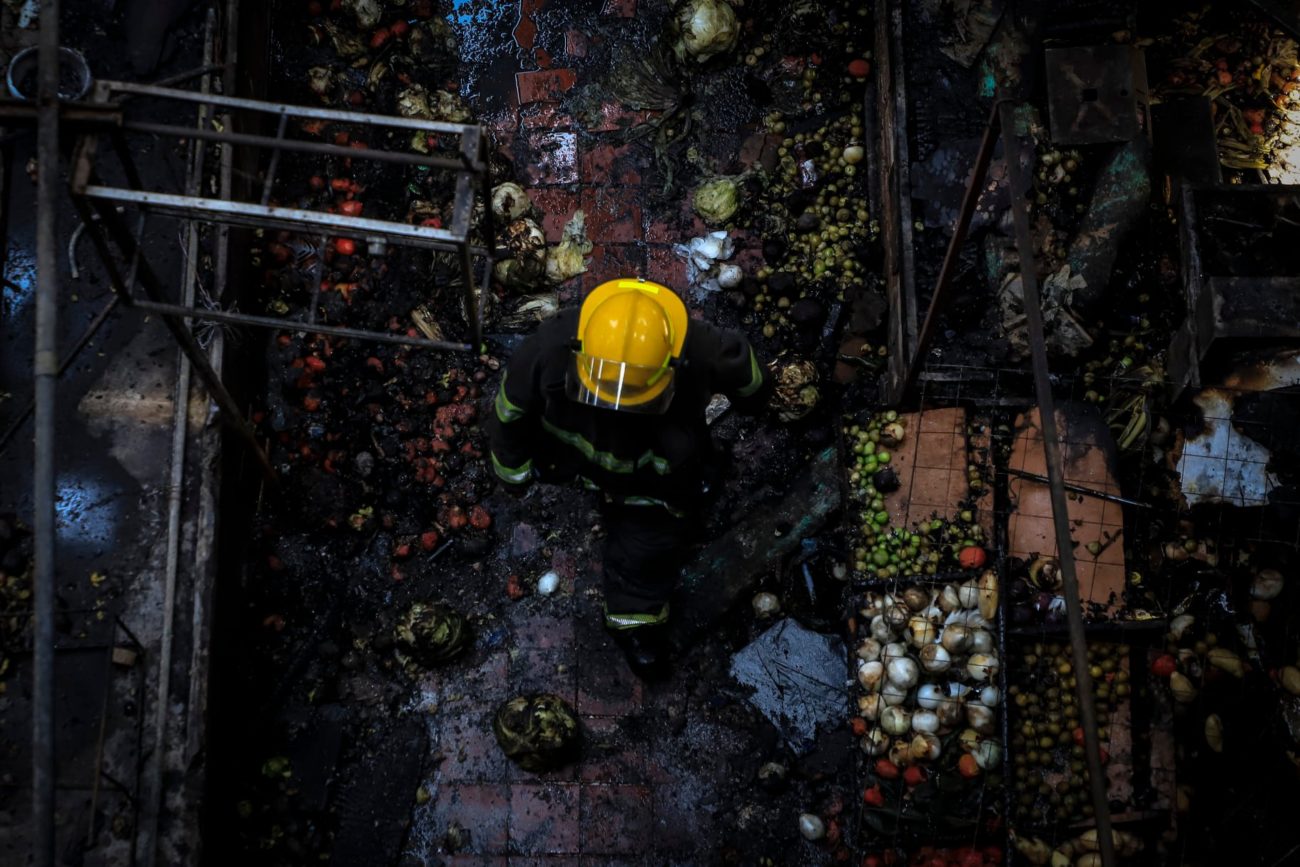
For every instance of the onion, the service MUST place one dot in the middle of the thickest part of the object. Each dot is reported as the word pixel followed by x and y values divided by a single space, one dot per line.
pixel 969 594
pixel 935 658
pixel 915 598
pixel 980 718
pixel 929 696
pixel 870 706
pixel 925 747
pixel 895 720
pixel 921 630
pixel 893 650
pixel 950 711
pixel 509 201
pixel 811 827
pixel 903 671
pixel 955 638
pixel 729 276
pixel 868 650
pixel 1225 660
pixel 981 641
pixel 765 605
pixel 1267 584
pixel 893 694
pixel 948 598
pixel 989 696
pixel 900 752
pixel 981 667
pixel 870 673
pixel 925 721
pixel 896 616
pixel 875 742
pixel 988 754
pixel 880 629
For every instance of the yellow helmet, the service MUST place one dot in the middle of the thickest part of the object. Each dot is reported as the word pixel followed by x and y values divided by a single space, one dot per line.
pixel 630 332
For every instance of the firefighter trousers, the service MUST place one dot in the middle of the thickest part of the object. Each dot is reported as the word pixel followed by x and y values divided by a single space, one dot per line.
pixel 645 548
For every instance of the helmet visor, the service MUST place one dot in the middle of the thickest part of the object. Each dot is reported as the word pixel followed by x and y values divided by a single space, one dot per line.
pixel 618 385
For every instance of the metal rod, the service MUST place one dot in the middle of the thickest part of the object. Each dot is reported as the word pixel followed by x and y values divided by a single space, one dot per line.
pixel 309 147
pixel 68 358
pixel 153 287
pixel 290 218
pixel 943 284
pixel 46 370
pixel 291 325
pixel 275 161
pixel 357 117
pixel 193 73
pixel 317 272
pixel 1060 513
pixel 1079 489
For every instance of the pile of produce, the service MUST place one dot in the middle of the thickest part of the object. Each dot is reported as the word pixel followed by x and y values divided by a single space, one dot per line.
pixel 928 664
pixel 1048 763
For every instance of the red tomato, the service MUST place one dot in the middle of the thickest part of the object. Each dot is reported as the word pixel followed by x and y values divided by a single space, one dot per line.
pixel 1164 665
pixel 971 557
pixel 859 726
pixel 345 246
pixel 914 775
pixel 886 770
pixel 968 767
pixel 859 68
pixel 351 208
pixel 873 797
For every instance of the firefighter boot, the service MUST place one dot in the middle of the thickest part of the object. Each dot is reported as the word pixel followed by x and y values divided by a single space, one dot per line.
pixel 646 650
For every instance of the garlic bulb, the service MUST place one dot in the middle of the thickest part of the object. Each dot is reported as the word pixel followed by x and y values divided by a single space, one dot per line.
pixel 935 658
pixel 903 671
pixel 989 696
pixel 875 742
pixel 925 747
pixel 921 631
pixel 955 638
pixel 969 594
pixel 893 694
pixel 980 718
pixel 895 720
pixel 988 754
pixel 929 696
pixel 870 673
pixel 982 667
pixel 870 706
pixel 925 721
pixel 869 649
pixel 811 827
pixel 1267 584
pixel 981 641
pixel 948 598
pixel 880 629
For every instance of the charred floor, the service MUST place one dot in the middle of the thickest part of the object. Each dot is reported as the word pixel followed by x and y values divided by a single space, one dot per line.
pixel 294 602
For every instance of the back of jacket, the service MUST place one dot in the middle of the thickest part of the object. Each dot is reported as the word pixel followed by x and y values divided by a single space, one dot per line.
pixel 537 430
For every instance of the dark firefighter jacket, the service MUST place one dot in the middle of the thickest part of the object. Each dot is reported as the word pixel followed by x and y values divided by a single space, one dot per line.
pixel 538 431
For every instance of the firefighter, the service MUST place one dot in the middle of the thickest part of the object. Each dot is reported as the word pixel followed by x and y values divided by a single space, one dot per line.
pixel 612 395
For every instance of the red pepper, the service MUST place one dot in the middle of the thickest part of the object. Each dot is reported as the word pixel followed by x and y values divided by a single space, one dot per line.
pixel 435 222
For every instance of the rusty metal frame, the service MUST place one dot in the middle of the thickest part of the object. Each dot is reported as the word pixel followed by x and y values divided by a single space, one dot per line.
pixel 470 167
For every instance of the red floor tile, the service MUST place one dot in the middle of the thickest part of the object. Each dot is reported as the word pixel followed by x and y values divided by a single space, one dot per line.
pixel 472 861
pixel 616 820
pixel 620 8
pixel 540 630
pixel 605 685
pixel 545 116
pixel 555 158
pixel 557 206
pixel 612 754
pixel 481 809
pixel 665 267
pixel 677 819
pixel 575 43
pixel 611 117
pixel 613 214
pixel 611 262
pixel 543 85
pixel 470 752
pixel 544 819
pixel 609 164
pixel 551 670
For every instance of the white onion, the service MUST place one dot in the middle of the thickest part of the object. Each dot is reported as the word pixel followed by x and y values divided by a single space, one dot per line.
pixel 874 742
pixel 880 629
pixel 981 641
pixel 969 594
pixel 893 650
pixel 929 696
pixel 935 658
pixel 988 755
pixel 893 694
pixel 868 650
pixel 948 598
pixel 1267 584
pixel 949 712
pixel 982 667
pixel 811 827
pixel 896 616
pixel 548 583
pixel 903 671
pixel 925 721
pixel 955 638
pixel 870 706
pixel 980 718
pixel 895 720
pixel 989 696
pixel 925 747
pixel 729 276
pixel 870 673
pixel 921 630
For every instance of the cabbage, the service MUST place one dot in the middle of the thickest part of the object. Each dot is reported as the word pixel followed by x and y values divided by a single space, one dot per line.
pixel 509 201
pixel 716 201
pixel 567 259
pixel 705 29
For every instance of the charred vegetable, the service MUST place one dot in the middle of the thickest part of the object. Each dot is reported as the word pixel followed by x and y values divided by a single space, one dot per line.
pixel 538 732
pixel 432 634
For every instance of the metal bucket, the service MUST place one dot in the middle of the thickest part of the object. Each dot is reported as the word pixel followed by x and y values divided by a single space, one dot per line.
pixel 74 74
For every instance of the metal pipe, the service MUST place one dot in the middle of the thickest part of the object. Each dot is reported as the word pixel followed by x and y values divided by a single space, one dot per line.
pixel 293 325
pixel 357 117
pixel 309 147
pixel 1055 475
pixel 275 162
pixel 46 369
